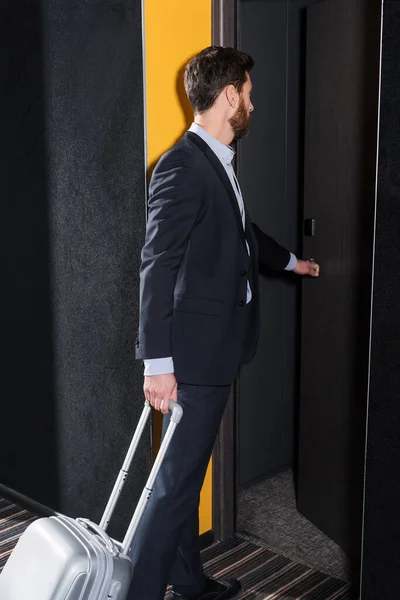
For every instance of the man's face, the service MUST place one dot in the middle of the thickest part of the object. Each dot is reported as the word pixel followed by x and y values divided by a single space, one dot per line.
pixel 240 121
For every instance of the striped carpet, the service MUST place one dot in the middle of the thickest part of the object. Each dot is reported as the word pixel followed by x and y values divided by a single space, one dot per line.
pixel 13 522
pixel 264 574
pixel 269 576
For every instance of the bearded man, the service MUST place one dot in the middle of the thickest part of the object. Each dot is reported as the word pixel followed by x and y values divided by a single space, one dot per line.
pixel 199 314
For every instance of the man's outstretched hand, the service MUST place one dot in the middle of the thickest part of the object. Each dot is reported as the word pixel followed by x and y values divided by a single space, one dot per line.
pixel 159 390
pixel 307 267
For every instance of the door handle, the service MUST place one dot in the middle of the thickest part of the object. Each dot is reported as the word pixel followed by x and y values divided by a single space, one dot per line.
pixel 309 227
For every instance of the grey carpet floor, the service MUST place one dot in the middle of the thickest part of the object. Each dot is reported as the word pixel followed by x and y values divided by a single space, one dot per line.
pixel 267 513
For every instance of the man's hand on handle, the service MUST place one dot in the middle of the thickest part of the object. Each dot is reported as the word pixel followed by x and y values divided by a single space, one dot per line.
pixel 159 390
pixel 307 267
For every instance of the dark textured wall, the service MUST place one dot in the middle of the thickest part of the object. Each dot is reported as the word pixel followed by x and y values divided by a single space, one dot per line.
pixel 381 563
pixel 72 226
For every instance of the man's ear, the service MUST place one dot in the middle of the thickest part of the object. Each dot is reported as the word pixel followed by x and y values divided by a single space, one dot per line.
pixel 231 95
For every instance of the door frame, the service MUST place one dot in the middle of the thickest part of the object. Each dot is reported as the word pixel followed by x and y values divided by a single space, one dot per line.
pixel 224 480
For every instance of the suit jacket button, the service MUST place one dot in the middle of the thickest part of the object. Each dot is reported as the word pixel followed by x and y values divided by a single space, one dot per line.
pixel 241 303
pixel 243 273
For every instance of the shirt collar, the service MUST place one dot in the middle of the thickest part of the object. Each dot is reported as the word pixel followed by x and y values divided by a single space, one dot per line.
pixel 224 153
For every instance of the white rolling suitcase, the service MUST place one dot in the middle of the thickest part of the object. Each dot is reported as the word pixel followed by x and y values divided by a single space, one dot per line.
pixel 59 558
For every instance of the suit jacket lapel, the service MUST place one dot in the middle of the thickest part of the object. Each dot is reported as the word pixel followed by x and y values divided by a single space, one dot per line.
pixel 222 174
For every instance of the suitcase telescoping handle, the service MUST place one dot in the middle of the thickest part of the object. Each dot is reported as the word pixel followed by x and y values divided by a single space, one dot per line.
pixel 176 416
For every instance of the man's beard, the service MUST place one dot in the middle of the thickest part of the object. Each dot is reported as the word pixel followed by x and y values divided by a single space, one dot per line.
pixel 240 121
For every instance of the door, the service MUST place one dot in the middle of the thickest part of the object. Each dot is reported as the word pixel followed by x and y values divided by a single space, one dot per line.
pixel 343 39
pixel 269 174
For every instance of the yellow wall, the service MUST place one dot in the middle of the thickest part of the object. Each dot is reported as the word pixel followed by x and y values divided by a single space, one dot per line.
pixel 175 30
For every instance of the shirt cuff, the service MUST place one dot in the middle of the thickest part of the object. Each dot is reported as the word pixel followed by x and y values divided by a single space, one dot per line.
pixel 158 366
pixel 292 263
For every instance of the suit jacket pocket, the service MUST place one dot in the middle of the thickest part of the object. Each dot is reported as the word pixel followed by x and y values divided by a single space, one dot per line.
pixel 205 306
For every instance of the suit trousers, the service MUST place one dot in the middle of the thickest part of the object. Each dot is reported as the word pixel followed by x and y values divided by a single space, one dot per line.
pixel 166 546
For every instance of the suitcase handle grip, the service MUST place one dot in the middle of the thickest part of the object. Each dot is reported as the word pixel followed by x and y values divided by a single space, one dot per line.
pixel 176 410
pixel 98 530
pixel 177 413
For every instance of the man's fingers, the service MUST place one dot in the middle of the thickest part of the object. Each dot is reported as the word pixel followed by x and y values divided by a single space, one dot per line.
pixel 172 396
pixel 164 405
pixel 157 401
pixel 313 269
pixel 151 397
pixel 147 394
pixel 159 389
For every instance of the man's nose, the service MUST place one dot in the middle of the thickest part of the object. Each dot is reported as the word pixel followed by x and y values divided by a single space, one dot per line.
pixel 251 107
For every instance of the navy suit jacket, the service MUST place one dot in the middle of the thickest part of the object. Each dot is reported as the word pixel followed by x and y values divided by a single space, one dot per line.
pixel 195 266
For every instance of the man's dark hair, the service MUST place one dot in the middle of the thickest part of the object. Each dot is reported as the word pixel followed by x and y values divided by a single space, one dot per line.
pixel 210 71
